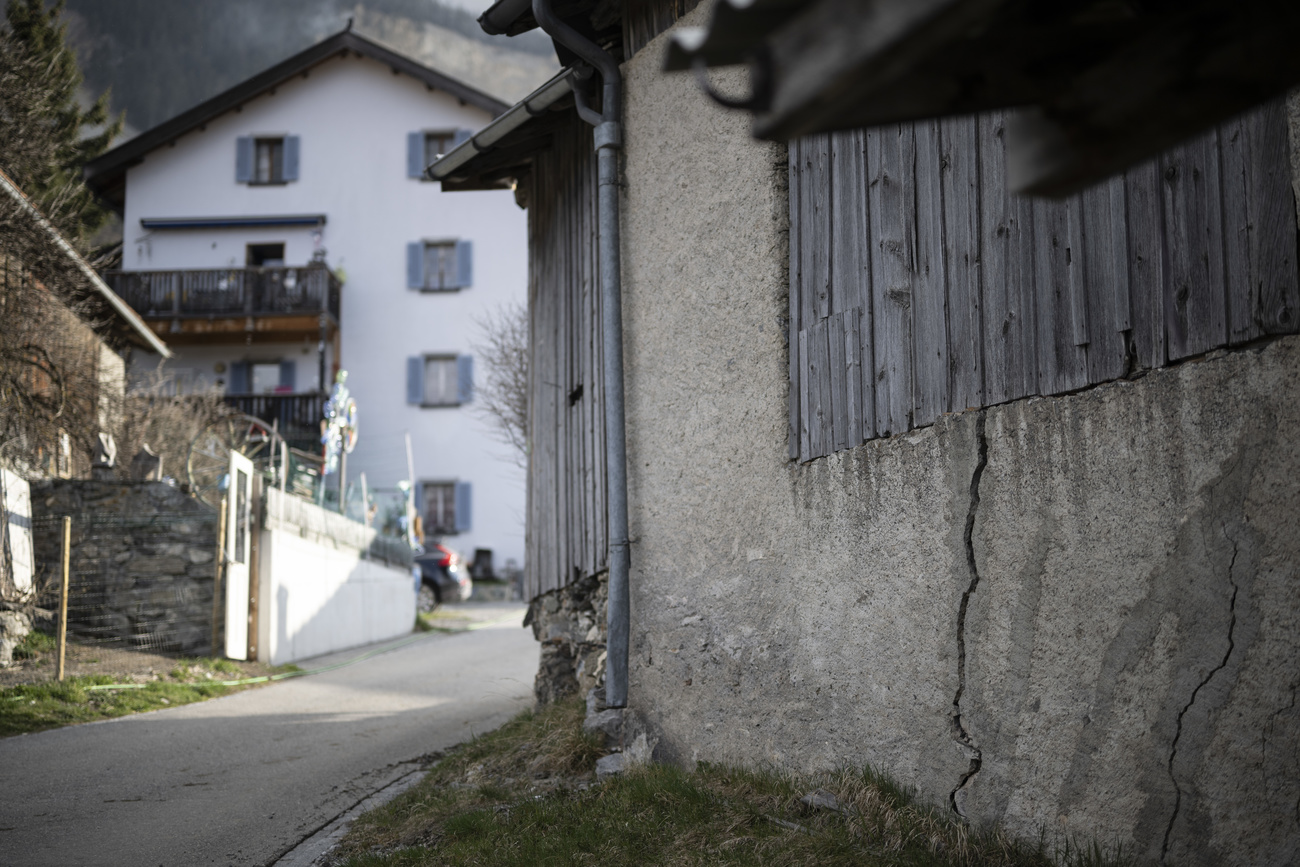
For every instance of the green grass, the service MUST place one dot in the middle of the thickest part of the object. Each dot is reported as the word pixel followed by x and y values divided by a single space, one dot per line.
pixel 35 644
pixel 38 706
pixel 523 796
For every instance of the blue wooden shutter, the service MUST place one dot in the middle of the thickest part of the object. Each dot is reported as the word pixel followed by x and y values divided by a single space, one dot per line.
pixel 291 158
pixel 415 154
pixel 288 374
pixel 244 159
pixel 415 380
pixel 464 378
pixel 464 264
pixel 415 265
pixel 238 378
pixel 464 507
pixel 461 136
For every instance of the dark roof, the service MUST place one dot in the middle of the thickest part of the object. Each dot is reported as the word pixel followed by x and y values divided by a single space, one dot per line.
pixel 107 174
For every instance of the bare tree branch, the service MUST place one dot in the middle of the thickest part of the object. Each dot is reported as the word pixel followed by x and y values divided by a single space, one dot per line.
pixel 503 390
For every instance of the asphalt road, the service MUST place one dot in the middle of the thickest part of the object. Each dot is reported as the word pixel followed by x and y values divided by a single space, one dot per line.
pixel 245 778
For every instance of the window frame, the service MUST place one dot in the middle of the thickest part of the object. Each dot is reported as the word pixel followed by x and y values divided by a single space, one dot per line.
pixel 274 146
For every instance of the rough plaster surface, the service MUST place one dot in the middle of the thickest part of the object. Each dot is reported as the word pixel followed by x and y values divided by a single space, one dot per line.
pixel 1126 555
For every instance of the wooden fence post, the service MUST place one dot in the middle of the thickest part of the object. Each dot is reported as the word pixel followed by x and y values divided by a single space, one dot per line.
pixel 63 594
pixel 217 563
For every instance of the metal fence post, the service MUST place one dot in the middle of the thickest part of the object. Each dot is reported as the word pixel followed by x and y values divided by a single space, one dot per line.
pixel 63 594
pixel 217 562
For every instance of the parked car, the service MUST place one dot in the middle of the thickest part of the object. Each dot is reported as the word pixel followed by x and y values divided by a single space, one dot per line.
pixel 443 578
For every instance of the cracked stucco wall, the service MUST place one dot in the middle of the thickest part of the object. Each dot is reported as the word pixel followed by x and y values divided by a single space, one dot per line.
pixel 1078 614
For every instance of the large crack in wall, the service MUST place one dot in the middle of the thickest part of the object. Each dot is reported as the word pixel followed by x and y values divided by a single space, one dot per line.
pixel 1178 732
pixel 959 732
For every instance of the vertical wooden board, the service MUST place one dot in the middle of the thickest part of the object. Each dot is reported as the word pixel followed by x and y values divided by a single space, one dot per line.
pixel 815 231
pixel 793 325
pixel 848 221
pixel 961 246
pixel 1105 272
pixel 1195 304
pixel 1021 275
pixel 891 211
pixel 997 222
pixel 853 393
pixel 1272 215
pixel 799 342
pixel 836 369
pixel 820 437
pixel 1234 180
pixel 1146 262
pixel 1051 287
pixel 929 298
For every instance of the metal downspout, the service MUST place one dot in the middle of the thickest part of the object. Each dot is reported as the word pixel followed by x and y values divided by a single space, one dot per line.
pixel 609 141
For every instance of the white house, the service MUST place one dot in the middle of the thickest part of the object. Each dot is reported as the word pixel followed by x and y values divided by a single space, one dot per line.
pixel 282 231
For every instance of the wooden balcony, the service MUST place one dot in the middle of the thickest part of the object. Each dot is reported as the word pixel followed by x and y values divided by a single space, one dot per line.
pixel 296 416
pixel 225 304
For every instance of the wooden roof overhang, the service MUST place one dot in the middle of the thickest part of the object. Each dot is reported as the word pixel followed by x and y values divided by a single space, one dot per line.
pixel 1103 84
pixel 106 175
pixel 501 154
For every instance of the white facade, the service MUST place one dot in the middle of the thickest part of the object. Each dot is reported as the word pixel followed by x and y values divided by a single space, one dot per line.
pixel 352 117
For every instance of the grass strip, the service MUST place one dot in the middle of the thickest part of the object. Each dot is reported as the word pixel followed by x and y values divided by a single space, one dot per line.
pixel 35 707
pixel 525 795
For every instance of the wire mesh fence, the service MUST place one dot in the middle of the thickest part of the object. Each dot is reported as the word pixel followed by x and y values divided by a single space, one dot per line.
pixel 143 582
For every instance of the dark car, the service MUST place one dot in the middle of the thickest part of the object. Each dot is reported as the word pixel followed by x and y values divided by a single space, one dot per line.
pixel 443 578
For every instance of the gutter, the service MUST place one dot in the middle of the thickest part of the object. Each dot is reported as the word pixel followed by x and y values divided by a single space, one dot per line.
pixel 537 102
pixel 609 141
pixel 123 309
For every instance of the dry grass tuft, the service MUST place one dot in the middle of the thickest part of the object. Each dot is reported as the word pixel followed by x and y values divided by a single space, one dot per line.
pixel 524 796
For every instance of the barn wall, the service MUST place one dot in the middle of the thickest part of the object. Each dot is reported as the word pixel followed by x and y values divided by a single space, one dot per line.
pixel 1074 613
pixel 920 286
pixel 567 531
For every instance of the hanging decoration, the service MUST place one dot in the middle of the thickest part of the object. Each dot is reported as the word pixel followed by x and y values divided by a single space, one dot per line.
pixel 339 427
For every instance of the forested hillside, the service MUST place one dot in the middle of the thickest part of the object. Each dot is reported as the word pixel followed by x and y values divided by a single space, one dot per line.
pixel 162 56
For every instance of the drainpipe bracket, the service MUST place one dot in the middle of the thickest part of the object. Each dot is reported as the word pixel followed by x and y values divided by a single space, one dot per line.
pixel 609 135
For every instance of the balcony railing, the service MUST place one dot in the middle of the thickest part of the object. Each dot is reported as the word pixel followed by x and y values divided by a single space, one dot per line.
pixel 296 416
pixel 229 291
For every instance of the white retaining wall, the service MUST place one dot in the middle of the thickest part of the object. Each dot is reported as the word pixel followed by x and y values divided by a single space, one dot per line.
pixel 319 589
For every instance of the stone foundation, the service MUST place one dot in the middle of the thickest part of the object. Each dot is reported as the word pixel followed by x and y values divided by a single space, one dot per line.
pixel 570 624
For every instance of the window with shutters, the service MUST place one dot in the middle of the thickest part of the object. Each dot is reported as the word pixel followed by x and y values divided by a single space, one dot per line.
pixel 440 507
pixel 447 507
pixel 439 265
pixel 426 146
pixel 439 380
pixel 266 160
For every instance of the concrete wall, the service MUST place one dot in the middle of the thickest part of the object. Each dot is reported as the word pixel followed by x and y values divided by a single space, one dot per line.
pixel 1078 614
pixel 324 585
pixel 352 116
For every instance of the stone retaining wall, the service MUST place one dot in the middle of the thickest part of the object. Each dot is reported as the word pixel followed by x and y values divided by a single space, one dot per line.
pixel 141 561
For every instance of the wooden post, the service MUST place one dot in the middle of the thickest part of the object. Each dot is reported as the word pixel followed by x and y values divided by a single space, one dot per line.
pixel 217 563
pixel 63 594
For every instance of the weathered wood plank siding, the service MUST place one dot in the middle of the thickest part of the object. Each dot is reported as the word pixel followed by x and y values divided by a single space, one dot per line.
pixel 919 286
pixel 643 20
pixel 566 472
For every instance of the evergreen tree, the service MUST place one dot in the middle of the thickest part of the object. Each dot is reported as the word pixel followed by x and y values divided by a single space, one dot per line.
pixel 43 143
